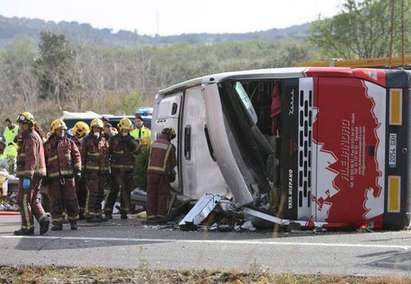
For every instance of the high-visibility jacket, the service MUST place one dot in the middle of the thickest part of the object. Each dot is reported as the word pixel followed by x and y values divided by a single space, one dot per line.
pixel 62 157
pixel 10 134
pixel 11 151
pixel 122 152
pixel 94 154
pixel 162 157
pixel 140 133
pixel 30 155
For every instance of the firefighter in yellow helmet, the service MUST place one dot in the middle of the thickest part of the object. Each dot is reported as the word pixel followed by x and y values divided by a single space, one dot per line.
pixel 94 155
pixel 160 172
pixel 121 154
pixel 31 168
pixel 63 164
pixel 79 131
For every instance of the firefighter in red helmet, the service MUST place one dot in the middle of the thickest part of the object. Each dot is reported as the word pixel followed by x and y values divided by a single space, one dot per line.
pixel 160 172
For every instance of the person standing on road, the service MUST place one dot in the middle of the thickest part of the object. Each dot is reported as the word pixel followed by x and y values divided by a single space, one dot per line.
pixel 160 172
pixel 63 164
pixel 10 132
pixel 94 155
pixel 141 133
pixel 122 148
pixel 31 168
pixel 79 131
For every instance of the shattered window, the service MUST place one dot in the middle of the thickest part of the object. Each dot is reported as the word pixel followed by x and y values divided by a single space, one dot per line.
pixel 246 101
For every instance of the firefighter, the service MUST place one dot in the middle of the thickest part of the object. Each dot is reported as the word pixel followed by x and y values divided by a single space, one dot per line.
pixel 63 164
pixel 31 168
pixel 121 154
pixel 10 132
pixel 160 172
pixel 109 131
pixel 79 131
pixel 141 133
pixel 94 155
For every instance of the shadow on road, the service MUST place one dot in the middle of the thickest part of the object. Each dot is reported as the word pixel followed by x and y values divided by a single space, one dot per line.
pixel 390 260
pixel 34 244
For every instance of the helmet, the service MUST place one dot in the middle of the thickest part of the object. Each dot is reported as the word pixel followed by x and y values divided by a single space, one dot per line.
pixel 57 124
pixel 125 124
pixel 146 140
pixel 97 122
pixel 170 132
pixel 25 117
pixel 81 129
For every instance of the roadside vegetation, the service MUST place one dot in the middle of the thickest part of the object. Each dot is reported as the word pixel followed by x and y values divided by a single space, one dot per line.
pixel 51 274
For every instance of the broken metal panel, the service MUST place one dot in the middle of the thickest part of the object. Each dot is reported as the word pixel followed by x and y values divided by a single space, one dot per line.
pixel 284 222
pixel 201 209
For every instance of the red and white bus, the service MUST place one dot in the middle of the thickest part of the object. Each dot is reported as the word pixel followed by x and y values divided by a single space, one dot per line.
pixel 341 152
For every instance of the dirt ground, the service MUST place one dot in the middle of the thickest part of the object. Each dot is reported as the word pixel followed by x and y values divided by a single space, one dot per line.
pixel 51 274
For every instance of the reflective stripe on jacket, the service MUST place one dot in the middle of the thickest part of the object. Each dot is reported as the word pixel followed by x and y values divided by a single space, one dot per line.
pixel 162 157
pixel 94 153
pixel 62 157
pixel 30 155
pixel 139 133
pixel 10 133
pixel 122 152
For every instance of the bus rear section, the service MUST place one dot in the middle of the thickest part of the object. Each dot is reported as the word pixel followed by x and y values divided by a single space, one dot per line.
pixel 341 146
pixel 352 162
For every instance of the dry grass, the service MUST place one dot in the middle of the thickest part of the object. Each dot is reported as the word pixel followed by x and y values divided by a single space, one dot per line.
pixel 46 111
pixel 51 274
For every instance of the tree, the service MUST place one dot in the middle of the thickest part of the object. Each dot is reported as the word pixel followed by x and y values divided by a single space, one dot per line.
pixel 361 30
pixel 55 67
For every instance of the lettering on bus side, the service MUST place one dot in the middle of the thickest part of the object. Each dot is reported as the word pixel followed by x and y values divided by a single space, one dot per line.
pixel 290 189
pixel 392 150
pixel 291 105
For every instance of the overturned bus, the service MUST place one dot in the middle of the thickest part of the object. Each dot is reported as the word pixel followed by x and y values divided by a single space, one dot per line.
pixel 339 157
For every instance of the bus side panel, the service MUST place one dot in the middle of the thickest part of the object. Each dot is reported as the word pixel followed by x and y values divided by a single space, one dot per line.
pixel 396 196
pixel 349 133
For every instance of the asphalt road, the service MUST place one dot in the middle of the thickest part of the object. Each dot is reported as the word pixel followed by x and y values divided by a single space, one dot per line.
pixel 129 244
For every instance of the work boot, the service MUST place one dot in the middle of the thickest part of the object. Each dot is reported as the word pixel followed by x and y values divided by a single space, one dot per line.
pixel 73 225
pixel 57 227
pixel 44 225
pixel 24 232
pixel 124 216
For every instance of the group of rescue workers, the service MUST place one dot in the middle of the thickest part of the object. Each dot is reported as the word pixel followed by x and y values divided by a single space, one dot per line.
pixel 77 164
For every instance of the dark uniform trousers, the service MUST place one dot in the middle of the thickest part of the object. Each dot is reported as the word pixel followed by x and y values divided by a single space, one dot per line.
pixel 123 183
pixel 158 191
pixel 63 197
pixel 29 203
pixel 81 192
pixel 95 182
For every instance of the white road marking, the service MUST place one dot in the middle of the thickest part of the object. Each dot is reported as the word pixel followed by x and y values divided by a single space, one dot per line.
pixel 225 242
